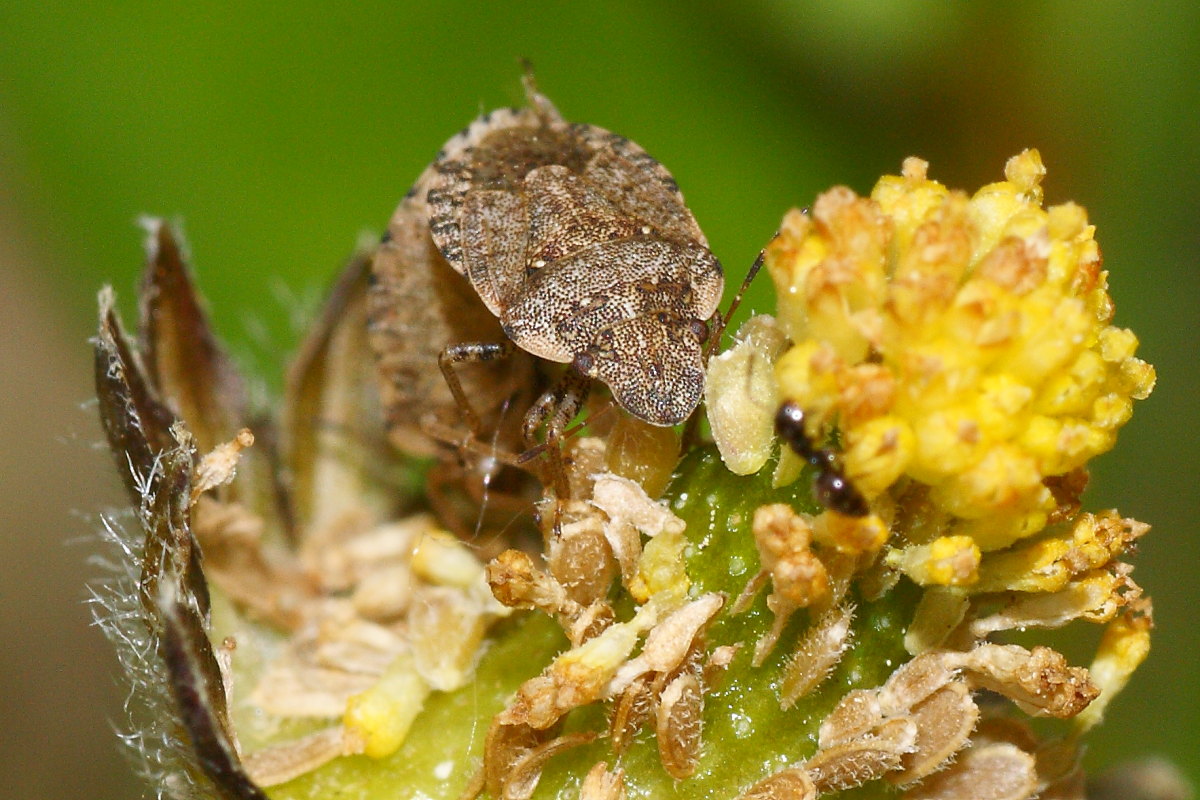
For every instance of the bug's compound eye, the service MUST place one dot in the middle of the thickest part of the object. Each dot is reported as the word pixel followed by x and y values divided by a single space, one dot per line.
pixel 584 363
pixel 699 329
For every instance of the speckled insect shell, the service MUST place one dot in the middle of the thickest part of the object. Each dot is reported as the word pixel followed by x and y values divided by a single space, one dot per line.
pixel 582 246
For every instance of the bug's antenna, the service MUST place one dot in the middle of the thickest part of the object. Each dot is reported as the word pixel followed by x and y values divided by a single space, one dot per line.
pixel 536 100
pixel 722 321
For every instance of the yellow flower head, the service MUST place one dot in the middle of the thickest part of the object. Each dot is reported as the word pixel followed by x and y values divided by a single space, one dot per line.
pixel 962 344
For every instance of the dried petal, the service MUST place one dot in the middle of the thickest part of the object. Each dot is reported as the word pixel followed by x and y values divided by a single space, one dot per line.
pixel 670 641
pixel 1124 646
pixel 218 467
pixel 680 710
pixel 991 772
pixel 1051 562
pixel 944 721
pixel 792 783
pixel 1096 597
pixel 625 502
pixel 281 763
pixel 1040 681
pixel 578 676
pixel 940 610
pixel 445 630
pixel 267 584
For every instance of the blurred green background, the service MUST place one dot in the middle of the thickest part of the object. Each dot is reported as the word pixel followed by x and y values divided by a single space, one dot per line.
pixel 277 133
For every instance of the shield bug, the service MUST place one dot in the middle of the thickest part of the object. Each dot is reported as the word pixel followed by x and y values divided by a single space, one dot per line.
pixel 580 245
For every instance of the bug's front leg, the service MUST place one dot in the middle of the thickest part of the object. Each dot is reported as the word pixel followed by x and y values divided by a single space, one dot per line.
pixel 555 408
pixel 469 353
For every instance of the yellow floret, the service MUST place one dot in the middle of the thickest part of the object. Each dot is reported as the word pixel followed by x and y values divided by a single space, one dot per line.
pixel 959 342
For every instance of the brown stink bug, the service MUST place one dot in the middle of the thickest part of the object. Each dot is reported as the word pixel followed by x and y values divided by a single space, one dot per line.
pixel 579 248
pixel 580 245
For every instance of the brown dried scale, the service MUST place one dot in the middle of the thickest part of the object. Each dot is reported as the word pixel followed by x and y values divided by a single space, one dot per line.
pixel 581 246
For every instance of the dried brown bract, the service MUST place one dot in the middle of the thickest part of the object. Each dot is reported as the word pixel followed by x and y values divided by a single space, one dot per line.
pixel 678 725
pixel 601 784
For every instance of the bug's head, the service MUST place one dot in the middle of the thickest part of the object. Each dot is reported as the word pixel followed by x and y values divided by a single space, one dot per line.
pixel 652 364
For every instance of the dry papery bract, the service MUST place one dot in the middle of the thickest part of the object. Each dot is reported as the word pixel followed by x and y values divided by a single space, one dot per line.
pixel 915 731
pixel 376 609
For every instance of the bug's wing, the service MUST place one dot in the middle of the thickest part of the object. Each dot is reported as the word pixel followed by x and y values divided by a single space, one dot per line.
pixel 418 305
pixel 567 215
pixel 477 158
pixel 635 182
pixel 494 233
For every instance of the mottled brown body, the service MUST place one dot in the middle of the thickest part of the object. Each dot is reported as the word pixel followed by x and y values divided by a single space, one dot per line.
pixel 580 244
pixel 418 306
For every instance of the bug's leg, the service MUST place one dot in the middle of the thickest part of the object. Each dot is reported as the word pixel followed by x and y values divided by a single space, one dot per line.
pixel 555 408
pixel 469 353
